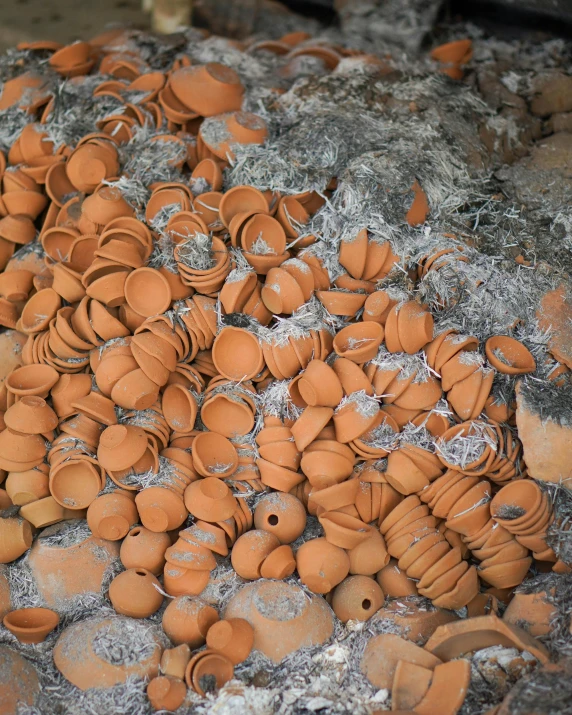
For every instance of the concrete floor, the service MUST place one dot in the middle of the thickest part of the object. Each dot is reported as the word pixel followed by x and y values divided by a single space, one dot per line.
pixel 64 20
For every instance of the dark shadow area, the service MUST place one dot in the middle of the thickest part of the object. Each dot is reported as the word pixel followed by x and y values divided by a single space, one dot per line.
pixel 510 19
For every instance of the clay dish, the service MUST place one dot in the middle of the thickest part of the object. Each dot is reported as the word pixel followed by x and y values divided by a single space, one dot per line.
pixel 509 356
pixel 207 89
pixel 214 455
pixel 241 199
pixel 237 354
pixel 263 234
pixel 359 342
pixel 147 292
pixel 210 500
pixel 31 625
pixel 39 310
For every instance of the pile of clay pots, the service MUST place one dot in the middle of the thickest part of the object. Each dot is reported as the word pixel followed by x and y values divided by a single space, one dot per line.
pixel 137 399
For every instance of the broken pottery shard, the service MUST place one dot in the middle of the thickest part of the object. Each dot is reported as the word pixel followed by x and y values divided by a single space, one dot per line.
pixel 416 623
pixel 456 639
pixel 555 315
pixel 448 689
pixel 383 653
pixel 546 443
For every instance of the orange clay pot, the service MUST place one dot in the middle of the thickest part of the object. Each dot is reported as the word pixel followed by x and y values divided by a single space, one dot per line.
pixel 31 625
pixel 135 593
pixel 188 619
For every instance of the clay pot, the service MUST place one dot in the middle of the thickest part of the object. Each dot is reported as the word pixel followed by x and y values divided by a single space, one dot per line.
pixel 31 625
pixel 179 408
pixel 26 487
pixel 166 692
pixel 121 446
pixel 206 667
pixel 370 556
pixel 210 500
pixel 187 620
pixel 279 564
pixel 136 593
pixel 394 582
pixel 355 417
pixel 359 342
pixel 31 415
pixel 509 356
pixel 321 565
pixel 227 414
pixel 282 515
pixel 110 516
pixel 20 452
pixel 184 582
pixel 207 89
pixel 343 530
pixel 453 639
pixel 214 455
pixel 145 549
pixel 320 386
pixel 241 199
pixel 160 509
pixel 233 638
pixel 15 538
pixel 284 619
pixel 237 354
pixel 75 483
pixel 174 661
pixel 263 234
pixel 310 423
pixel 250 550
pixel 32 380
pixel 522 503
pixel 357 598
pixel 147 292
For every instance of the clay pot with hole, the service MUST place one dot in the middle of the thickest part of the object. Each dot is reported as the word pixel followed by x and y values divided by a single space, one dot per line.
pixel 357 598
pixel 282 515
pixel 136 593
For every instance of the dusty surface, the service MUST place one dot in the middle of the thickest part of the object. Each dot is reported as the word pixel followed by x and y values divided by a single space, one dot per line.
pixel 64 20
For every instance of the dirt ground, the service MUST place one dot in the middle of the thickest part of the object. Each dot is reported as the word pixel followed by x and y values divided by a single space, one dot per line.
pixel 64 20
